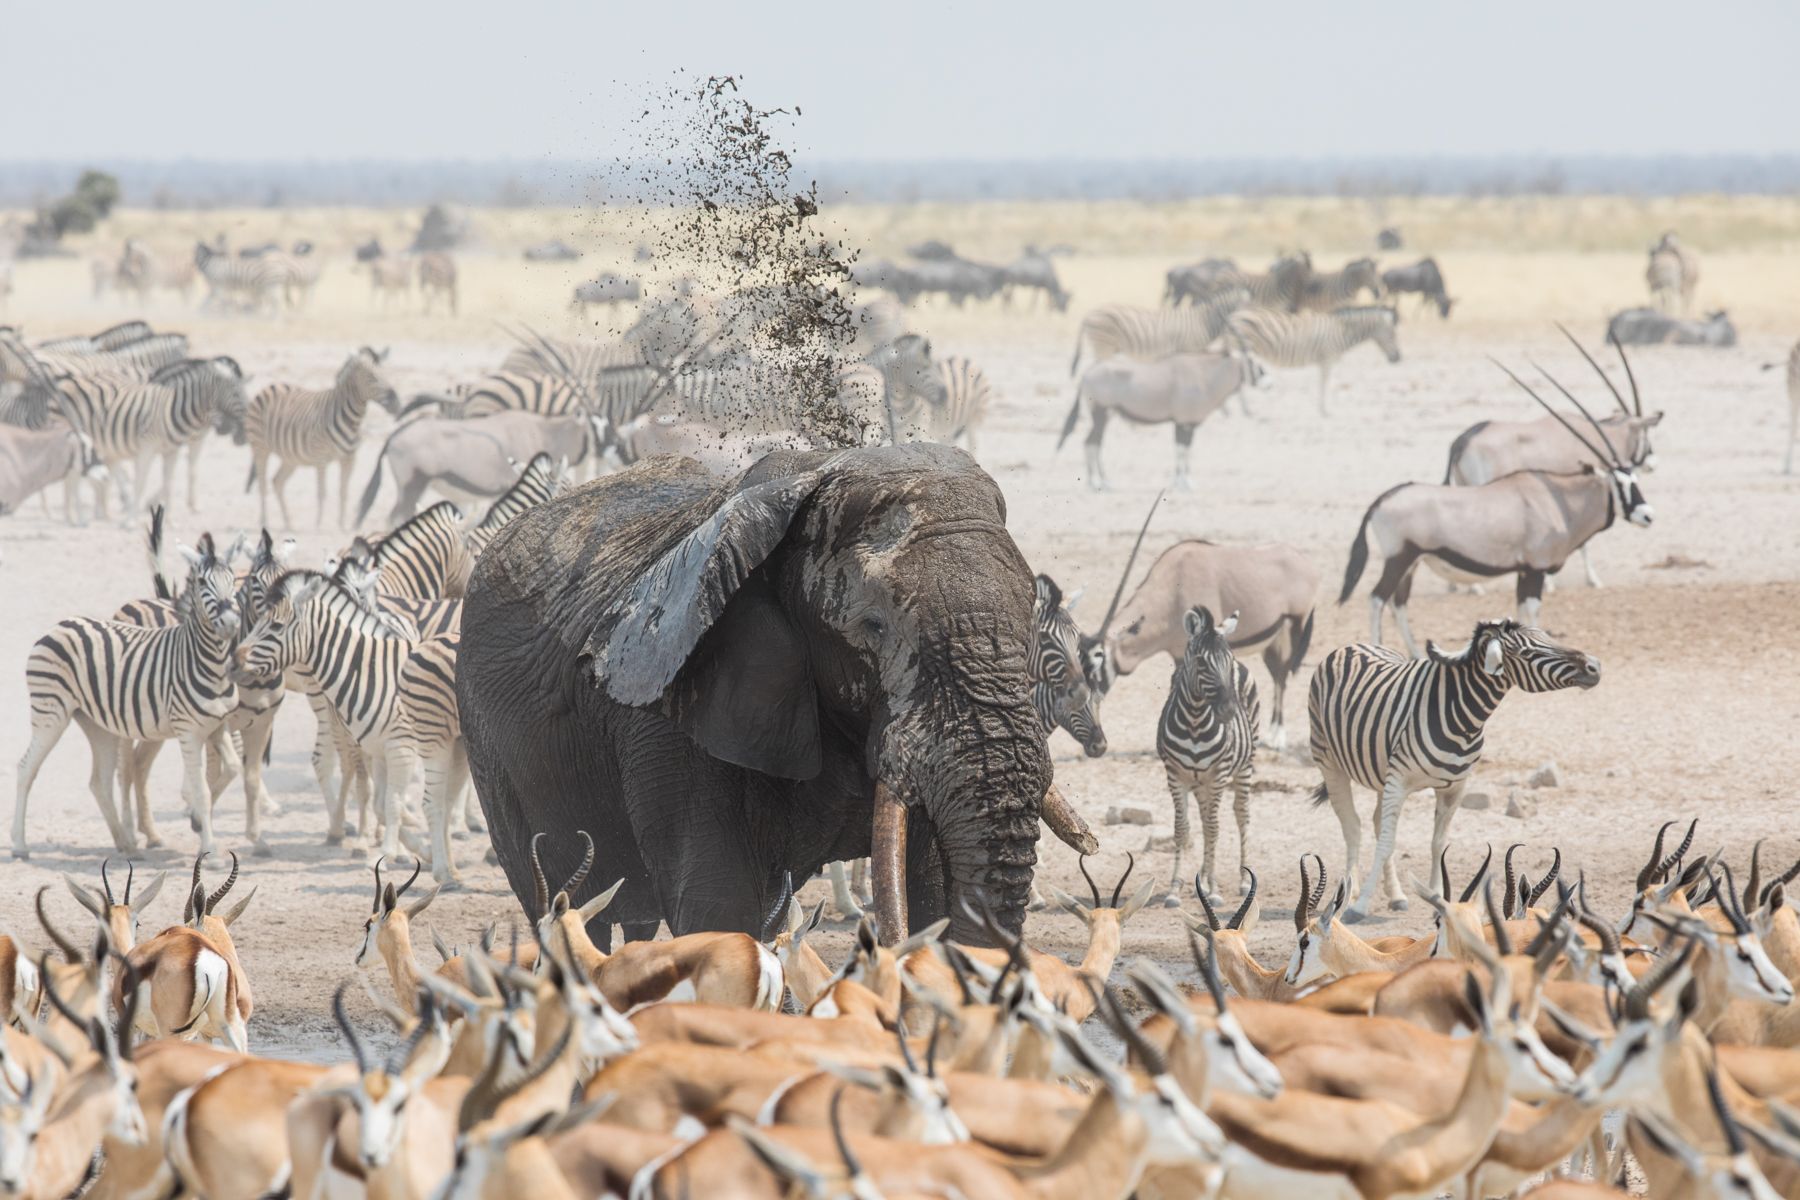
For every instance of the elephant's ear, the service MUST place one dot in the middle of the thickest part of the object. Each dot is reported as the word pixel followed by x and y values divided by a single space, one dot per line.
pixel 664 614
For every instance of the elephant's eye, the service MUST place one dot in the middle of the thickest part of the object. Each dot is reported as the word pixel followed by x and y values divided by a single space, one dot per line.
pixel 875 627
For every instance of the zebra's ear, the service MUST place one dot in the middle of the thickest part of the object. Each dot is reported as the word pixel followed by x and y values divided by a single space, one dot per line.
pixel 1492 656
pixel 1049 596
pixel 1196 619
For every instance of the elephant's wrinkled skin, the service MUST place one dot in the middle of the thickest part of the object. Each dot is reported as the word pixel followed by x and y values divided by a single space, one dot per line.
pixel 711 677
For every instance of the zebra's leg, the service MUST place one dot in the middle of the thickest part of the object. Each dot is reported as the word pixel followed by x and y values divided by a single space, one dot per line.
pixel 1208 796
pixel 1324 386
pixel 282 475
pixel 327 762
pixel 260 464
pixel 1240 807
pixel 105 747
pixel 193 752
pixel 319 511
pixel 1387 827
pixel 1343 803
pixel 256 733
pixel 193 473
pixel 1181 838
pixel 1449 799
pixel 139 757
pixel 45 734
pixel 841 898
pixel 344 465
pixel 439 779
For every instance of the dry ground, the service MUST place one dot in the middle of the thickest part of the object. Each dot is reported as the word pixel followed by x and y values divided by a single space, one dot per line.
pixel 1696 713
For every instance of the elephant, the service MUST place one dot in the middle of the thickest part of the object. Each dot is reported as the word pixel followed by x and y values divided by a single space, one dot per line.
pixel 732 682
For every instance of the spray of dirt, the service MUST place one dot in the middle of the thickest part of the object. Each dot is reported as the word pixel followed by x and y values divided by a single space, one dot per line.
pixel 744 295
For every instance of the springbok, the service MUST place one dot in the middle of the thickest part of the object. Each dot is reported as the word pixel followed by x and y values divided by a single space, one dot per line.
pixel 1525 524
pixel 195 984
pixel 118 915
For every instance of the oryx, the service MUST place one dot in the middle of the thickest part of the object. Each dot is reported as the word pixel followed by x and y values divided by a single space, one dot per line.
pixel 1524 524
pixel 1270 586
pixel 1487 450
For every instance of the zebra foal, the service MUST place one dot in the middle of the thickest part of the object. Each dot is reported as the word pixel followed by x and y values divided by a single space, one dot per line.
pixel 1398 725
pixel 1317 339
pixel 1207 740
pixel 306 427
pixel 1059 688
pixel 122 683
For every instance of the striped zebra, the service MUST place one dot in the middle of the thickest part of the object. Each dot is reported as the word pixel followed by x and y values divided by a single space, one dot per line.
pixel 355 660
pixel 538 482
pixel 306 427
pixel 1328 290
pixel 1156 332
pixel 1397 725
pixel 110 338
pixel 161 416
pixel 1207 740
pixel 253 284
pixel 427 558
pixel 437 276
pixel 432 727
pixel 303 270
pixel 1316 339
pixel 1059 687
pixel 537 354
pixel 124 682
pixel 965 402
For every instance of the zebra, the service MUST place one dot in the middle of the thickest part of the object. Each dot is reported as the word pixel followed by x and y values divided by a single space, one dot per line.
pixel 1207 740
pixel 169 412
pixel 303 270
pixel 540 481
pixel 1059 688
pixel 355 659
pixel 437 273
pixel 305 427
pixel 1156 332
pixel 540 355
pixel 432 730
pixel 427 558
pixel 966 397
pixel 1397 725
pixel 1316 339
pixel 120 682
pixel 389 277
pixel 251 283
pixel 1323 292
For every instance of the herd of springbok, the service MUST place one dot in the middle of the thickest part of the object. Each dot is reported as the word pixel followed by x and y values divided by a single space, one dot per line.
pixel 1485 1059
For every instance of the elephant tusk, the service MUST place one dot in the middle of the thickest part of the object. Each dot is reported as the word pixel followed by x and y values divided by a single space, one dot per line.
pixel 1067 824
pixel 888 862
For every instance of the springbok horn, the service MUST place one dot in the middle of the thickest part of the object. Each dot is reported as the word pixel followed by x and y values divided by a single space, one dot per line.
pixel 888 863
pixel 1212 918
pixel 1067 824
pixel 130 875
pixel 1302 909
pixel 1734 1137
pixel 1119 592
pixel 1637 1004
pixel 63 944
pixel 418 864
pixel 1543 885
pixel 1637 401
pixel 540 887
pixel 1781 880
pixel 106 884
pixel 1570 396
pixel 1444 871
pixel 852 1167
pixel 1511 890
pixel 343 1022
pixel 1475 881
pixel 1752 885
pixel 587 864
pixel 1237 918
pixel 1497 922
pixel 1318 892
pixel 187 910
pixel 213 900
pixel 1624 407
pixel 1130 866
pixel 1092 886
pixel 1680 852
pixel 1647 875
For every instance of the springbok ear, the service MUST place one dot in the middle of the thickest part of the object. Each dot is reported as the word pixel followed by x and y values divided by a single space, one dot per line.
pixel 148 894
pixel 1229 627
pixel 86 898
pixel 1138 901
pixel 592 908
pixel 422 903
pixel 1492 656
pixel 237 910
pixel 1066 902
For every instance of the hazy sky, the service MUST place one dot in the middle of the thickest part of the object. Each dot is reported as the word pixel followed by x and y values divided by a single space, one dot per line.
pixel 245 79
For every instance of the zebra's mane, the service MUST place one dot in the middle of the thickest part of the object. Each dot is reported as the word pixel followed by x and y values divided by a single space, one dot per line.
pixel 1357 310
pixel 539 475
pixel 337 598
pixel 1456 657
pixel 443 515
pixel 180 369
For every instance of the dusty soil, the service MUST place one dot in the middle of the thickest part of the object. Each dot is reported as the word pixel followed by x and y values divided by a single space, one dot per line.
pixel 1695 715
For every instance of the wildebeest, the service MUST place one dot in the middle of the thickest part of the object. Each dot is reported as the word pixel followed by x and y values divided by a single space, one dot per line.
pixel 554 250
pixel 473 459
pixel 1422 278
pixel 608 289
pixel 1193 282
pixel 1323 291
pixel 1034 272
pixel 1183 389
pixel 1647 327
pixel 932 250
pixel 1389 239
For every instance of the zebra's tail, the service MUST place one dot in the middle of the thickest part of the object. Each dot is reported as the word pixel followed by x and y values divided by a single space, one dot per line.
pixel 154 547
pixel 1359 549
pixel 1319 795
pixel 1072 418
pixel 251 481
pixel 1076 361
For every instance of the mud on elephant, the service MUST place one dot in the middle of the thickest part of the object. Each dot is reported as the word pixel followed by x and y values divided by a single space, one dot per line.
pixel 732 683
